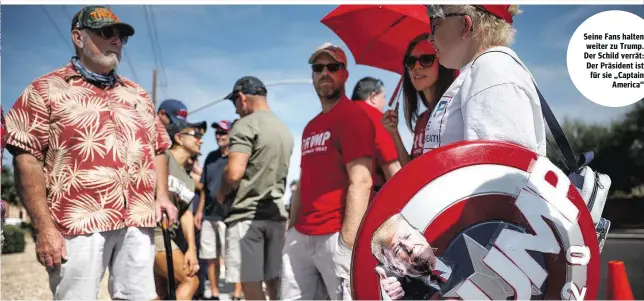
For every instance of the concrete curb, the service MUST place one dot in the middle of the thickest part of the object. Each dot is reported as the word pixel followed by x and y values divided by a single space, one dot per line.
pixel 623 235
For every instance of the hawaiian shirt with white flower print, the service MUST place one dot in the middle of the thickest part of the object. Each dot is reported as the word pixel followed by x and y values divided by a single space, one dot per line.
pixel 98 148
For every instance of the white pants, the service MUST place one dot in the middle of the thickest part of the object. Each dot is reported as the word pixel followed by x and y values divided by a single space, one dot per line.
pixel 128 253
pixel 315 266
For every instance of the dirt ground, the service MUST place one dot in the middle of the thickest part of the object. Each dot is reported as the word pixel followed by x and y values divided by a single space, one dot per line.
pixel 23 278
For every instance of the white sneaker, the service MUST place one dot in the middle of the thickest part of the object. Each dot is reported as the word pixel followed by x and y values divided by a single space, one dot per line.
pixel 222 272
pixel 207 292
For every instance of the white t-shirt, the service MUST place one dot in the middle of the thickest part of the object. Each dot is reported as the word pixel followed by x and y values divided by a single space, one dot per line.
pixel 492 99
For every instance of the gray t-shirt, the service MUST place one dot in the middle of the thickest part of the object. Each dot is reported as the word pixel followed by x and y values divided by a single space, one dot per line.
pixel 269 143
pixel 181 188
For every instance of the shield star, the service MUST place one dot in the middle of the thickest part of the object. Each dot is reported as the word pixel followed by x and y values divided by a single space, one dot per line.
pixel 495 287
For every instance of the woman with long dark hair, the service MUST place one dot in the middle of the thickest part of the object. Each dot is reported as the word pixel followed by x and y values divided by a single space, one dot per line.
pixel 424 81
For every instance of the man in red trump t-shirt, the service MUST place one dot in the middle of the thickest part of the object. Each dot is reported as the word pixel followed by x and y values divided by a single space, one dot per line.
pixel 369 95
pixel 338 148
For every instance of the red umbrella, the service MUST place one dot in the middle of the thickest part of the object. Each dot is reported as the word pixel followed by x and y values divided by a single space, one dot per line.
pixel 378 35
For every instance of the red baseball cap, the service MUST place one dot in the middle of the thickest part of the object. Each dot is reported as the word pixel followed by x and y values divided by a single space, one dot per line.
pixel 224 125
pixel 501 11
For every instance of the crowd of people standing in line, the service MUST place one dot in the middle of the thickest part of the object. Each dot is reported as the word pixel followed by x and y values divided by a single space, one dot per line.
pixel 96 164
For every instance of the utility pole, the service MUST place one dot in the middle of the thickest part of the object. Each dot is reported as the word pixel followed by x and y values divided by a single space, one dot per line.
pixel 154 87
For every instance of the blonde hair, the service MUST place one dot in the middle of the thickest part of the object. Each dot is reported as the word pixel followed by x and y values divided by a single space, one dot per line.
pixel 488 30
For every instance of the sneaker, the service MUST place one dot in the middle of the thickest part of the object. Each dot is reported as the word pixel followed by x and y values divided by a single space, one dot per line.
pixel 222 272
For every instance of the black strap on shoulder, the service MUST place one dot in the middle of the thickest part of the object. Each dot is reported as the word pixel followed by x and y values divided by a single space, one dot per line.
pixel 555 129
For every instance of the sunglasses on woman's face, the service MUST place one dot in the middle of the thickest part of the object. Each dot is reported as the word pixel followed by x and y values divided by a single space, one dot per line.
pixel 193 133
pixel 425 60
pixel 109 32
pixel 332 67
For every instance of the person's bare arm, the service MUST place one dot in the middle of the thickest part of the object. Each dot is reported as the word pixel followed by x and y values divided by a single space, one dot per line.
pixel 31 187
pixel 390 122
pixel 30 184
pixel 202 201
pixel 358 195
pixel 295 205
pixel 391 168
pixel 161 163
pixel 162 195
pixel 200 207
pixel 191 262
pixel 187 220
pixel 233 172
pixel 403 156
pixel 198 185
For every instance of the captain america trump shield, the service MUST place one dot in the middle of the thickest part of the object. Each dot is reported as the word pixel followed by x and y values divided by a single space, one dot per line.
pixel 477 220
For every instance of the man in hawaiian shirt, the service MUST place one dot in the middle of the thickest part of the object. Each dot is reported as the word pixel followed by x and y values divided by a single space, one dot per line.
pixel 89 166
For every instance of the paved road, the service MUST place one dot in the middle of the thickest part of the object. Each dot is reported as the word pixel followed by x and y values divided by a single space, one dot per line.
pixel 631 251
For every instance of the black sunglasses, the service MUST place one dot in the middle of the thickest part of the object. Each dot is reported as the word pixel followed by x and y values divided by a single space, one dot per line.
pixel 109 32
pixel 221 133
pixel 332 67
pixel 425 60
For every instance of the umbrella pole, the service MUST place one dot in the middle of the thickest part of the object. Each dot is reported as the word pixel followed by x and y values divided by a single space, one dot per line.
pixel 394 97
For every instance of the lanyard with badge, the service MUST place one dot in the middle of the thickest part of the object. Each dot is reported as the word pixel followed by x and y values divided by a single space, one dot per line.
pixel 435 126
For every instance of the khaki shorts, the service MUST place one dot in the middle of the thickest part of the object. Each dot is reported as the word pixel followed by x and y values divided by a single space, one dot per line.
pixel 315 267
pixel 159 245
pixel 129 255
pixel 212 240
pixel 254 250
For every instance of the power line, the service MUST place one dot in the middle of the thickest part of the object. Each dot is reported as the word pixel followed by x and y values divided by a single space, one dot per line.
pixel 127 60
pixel 154 49
pixel 129 64
pixel 64 9
pixel 158 45
pixel 60 33
pixel 153 41
pixel 275 83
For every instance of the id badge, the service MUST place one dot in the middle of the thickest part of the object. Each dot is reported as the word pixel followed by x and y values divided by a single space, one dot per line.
pixel 434 126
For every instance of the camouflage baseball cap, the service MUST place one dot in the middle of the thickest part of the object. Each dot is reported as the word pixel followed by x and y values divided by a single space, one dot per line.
pixel 96 17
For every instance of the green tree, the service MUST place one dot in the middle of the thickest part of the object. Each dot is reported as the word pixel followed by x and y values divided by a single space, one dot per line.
pixel 582 137
pixel 618 148
pixel 9 193
pixel 622 156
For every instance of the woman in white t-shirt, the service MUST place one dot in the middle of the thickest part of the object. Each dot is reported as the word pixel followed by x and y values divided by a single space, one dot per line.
pixel 494 96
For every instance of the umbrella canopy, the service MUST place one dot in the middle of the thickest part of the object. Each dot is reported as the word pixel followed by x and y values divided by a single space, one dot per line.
pixel 378 35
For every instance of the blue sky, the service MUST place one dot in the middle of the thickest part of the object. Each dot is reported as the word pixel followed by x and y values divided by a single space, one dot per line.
pixel 204 49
